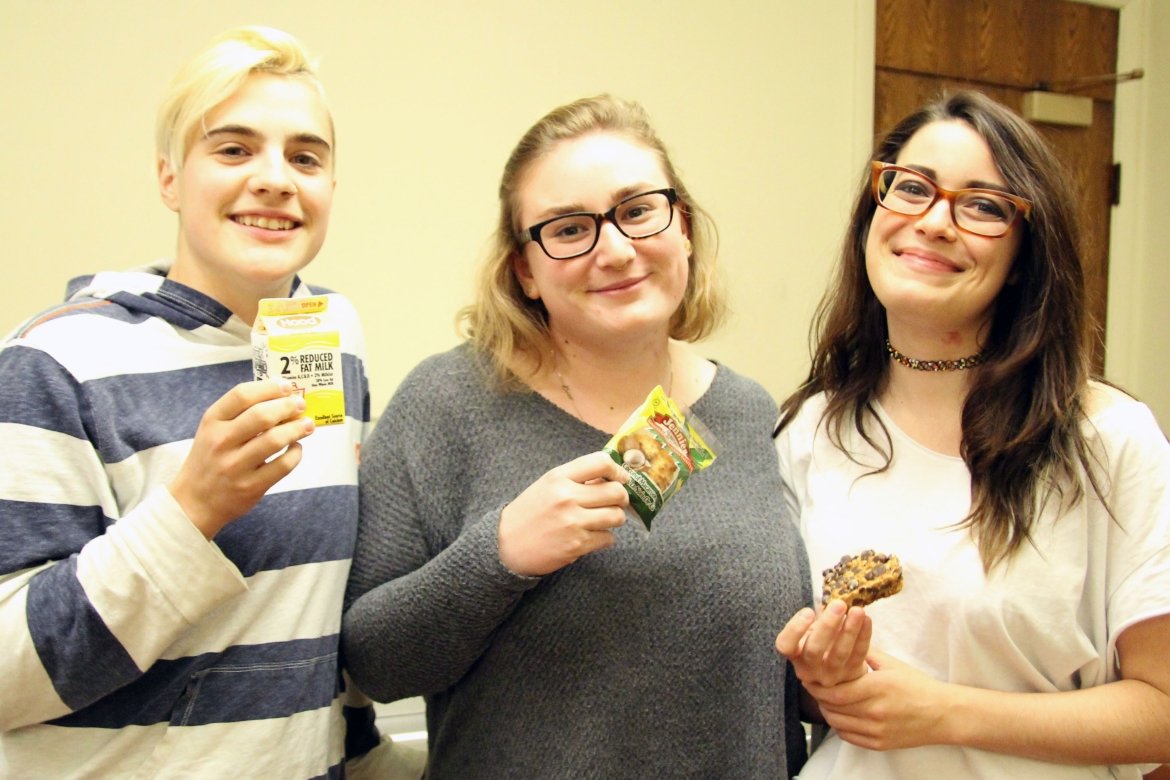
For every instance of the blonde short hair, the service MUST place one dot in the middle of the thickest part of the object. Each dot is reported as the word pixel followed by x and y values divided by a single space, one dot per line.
pixel 502 320
pixel 216 73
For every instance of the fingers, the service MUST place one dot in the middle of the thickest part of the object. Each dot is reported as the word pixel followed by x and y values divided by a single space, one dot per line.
pixel 246 442
pixel 790 640
pixel 594 481
pixel 861 645
pixel 595 466
pixel 850 643
pixel 827 648
pixel 254 408
pixel 824 630
pixel 570 511
pixel 246 395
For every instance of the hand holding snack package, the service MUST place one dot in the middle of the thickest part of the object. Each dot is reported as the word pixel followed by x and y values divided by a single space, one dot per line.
pixel 660 447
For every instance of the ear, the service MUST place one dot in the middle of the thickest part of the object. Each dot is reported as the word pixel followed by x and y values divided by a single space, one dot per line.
pixel 168 188
pixel 524 276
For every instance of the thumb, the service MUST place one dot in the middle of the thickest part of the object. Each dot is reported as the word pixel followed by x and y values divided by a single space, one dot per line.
pixel 790 640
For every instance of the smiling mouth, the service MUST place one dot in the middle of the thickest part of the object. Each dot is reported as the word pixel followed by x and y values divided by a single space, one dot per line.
pixel 266 223
pixel 620 286
pixel 932 260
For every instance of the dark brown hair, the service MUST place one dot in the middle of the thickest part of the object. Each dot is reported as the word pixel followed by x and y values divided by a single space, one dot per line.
pixel 1022 440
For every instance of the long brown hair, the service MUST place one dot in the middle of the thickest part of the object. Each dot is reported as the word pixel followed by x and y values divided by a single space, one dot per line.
pixel 1022 440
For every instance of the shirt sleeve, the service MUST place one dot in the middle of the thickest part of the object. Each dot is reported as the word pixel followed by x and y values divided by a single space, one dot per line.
pixel 1138 495
pixel 88 599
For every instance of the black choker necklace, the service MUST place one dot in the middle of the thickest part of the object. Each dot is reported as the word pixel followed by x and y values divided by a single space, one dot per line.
pixel 934 365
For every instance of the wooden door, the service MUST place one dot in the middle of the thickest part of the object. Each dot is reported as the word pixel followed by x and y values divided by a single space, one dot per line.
pixel 1004 48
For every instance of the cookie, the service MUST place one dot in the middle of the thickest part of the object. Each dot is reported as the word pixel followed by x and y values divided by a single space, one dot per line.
pixel 643 451
pixel 862 579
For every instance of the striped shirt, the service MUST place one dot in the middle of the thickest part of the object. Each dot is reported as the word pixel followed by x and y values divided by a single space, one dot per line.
pixel 131 646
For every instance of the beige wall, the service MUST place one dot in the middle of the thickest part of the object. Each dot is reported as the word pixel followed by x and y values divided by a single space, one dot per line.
pixel 1138 342
pixel 766 106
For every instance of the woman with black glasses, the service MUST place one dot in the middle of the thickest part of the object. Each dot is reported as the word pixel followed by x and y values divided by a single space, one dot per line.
pixel 950 419
pixel 497 572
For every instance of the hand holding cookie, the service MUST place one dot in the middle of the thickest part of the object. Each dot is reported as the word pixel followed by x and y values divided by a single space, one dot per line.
pixel 828 647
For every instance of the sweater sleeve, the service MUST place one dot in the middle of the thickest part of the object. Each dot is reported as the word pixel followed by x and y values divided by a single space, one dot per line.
pixel 427 589
pixel 89 597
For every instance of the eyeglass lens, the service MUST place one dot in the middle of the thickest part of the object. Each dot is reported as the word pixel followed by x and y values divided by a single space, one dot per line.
pixel 978 211
pixel 637 217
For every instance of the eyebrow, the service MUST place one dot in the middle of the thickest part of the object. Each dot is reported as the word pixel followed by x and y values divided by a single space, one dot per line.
pixel 973 184
pixel 579 208
pixel 309 139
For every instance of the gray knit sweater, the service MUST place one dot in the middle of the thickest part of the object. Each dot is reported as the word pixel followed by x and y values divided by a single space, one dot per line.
pixel 653 658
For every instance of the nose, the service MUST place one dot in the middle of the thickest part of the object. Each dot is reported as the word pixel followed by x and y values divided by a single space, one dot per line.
pixel 273 175
pixel 614 248
pixel 938 220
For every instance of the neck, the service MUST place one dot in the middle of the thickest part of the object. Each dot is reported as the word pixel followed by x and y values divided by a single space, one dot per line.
pixel 603 388
pixel 933 365
pixel 927 406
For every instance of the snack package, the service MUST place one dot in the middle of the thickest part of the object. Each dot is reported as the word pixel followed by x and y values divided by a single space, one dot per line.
pixel 660 447
pixel 295 339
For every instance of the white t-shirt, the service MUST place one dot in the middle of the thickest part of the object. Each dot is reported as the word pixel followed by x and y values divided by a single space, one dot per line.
pixel 1047 621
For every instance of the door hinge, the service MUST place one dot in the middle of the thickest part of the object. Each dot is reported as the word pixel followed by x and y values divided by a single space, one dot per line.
pixel 1115 185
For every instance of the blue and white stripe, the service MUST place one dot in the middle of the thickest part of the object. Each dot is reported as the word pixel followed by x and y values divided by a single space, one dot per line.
pixel 126 635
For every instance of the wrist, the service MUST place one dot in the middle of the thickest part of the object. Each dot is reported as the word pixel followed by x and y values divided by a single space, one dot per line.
pixel 206 525
pixel 957 715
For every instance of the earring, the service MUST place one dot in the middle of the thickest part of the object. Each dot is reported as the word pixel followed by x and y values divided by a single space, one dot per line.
pixel 688 246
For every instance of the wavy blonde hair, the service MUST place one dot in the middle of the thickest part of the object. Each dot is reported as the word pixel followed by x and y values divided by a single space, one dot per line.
pixel 216 73
pixel 502 320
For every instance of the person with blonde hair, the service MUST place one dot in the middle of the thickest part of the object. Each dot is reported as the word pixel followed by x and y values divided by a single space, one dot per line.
pixel 951 418
pixel 176 536
pixel 496 572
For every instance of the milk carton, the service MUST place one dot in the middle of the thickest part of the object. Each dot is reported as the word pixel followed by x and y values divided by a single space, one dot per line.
pixel 295 339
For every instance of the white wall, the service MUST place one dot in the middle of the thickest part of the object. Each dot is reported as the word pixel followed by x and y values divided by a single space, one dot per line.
pixel 765 104
pixel 761 103
pixel 1138 334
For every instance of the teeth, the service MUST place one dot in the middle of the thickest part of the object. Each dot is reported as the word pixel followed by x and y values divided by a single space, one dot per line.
pixel 268 223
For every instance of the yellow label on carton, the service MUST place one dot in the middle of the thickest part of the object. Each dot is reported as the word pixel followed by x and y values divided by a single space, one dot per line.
pixel 296 339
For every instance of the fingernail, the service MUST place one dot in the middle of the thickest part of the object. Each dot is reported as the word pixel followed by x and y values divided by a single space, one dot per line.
pixel 309 425
pixel 299 403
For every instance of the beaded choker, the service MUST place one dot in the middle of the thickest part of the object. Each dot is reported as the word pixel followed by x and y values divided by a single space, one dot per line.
pixel 934 365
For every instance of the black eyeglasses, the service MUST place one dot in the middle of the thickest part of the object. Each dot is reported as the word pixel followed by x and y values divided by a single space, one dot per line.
pixel 977 210
pixel 572 235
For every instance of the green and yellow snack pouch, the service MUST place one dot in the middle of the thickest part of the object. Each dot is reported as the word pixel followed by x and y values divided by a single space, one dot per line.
pixel 660 447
